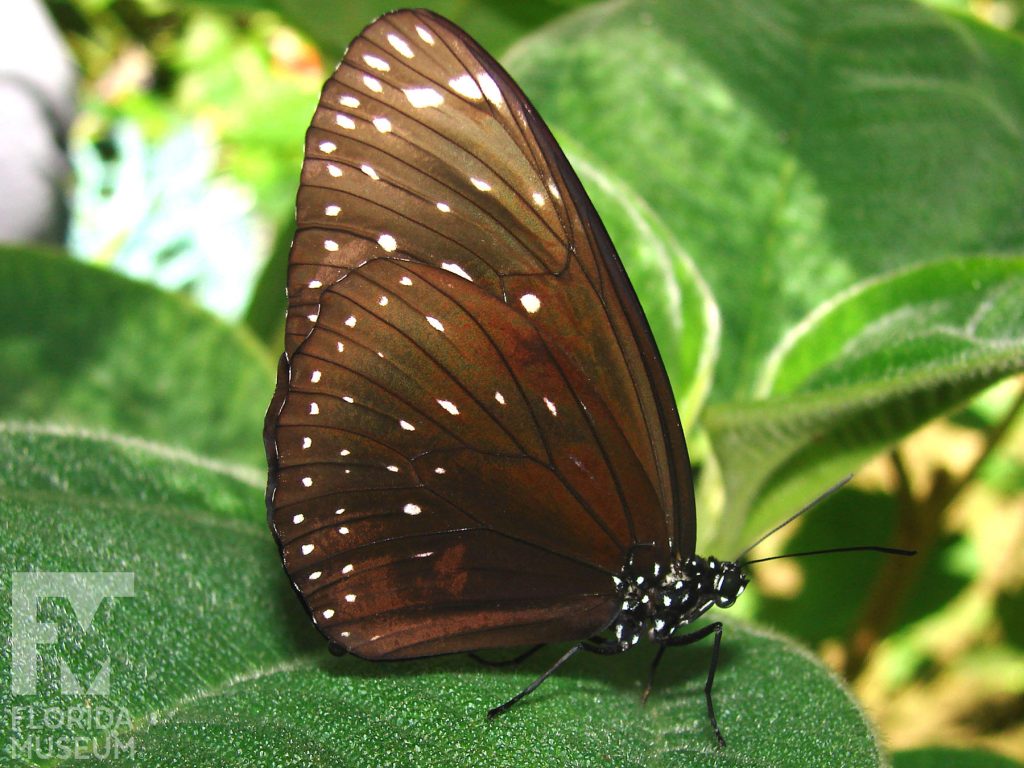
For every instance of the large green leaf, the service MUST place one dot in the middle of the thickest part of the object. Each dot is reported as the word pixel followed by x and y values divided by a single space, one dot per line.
pixel 861 372
pixel 944 757
pixel 83 346
pixel 213 662
pixel 793 146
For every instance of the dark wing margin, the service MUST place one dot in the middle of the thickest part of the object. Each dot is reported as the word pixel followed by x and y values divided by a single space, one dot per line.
pixel 469 383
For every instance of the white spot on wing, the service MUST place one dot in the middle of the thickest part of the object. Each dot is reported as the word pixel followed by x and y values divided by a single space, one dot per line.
pixel 551 407
pixel 341 346
pixel 449 406
pixel 456 269
pixel 334 170
pixel 330 245
pixel 314 409
pixel 348 399
pixel 490 89
pixel 350 598
pixel 327 147
pixel 315 575
pixel 343 531
pixel 348 568
pixel 307 548
pixel 435 323
pixel 344 452
pixel 345 121
pixel 382 124
pixel 349 101
pixel 368 170
pixel 312 318
pixel 412 509
pixel 439 470
pixel 405 280
pixel 315 376
pixel 375 62
pixel 332 210
pixel 464 85
pixel 444 208
pixel 392 468
pixel 480 184
pixel 500 398
pixel 423 97
pixel 373 84
pixel 296 519
pixel 425 35
pixel 424 554
pixel 329 612
pixel 400 45
pixel 387 242
pixel 538 198
pixel 530 302
pixel 383 301
pixel 307 481
pixel 351 322
pixel 406 426
pixel 307 442
pixel 315 284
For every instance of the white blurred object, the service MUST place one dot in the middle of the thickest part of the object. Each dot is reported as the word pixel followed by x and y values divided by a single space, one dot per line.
pixel 37 105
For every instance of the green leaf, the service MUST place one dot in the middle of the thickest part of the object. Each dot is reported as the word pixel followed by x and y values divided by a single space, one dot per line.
pixel 863 371
pixel 795 147
pixel 86 347
pixel 212 661
pixel 943 757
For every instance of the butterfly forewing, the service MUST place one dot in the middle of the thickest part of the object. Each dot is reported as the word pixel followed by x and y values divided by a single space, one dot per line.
pixel 471 430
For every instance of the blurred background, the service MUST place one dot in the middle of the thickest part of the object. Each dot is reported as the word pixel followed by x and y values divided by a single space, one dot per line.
pixel 163 141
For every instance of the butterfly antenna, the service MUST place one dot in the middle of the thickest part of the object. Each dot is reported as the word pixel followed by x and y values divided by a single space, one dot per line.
pixel 810 505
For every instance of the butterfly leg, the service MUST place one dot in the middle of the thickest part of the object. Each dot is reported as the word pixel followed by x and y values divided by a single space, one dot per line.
pixel 503 708
pixel 694 637
pixel 514 661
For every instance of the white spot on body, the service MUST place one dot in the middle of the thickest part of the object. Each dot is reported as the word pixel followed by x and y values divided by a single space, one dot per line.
pixel 464 85
pixel 373 84
pixel 449 406
pixel 436 324
pixel 530 302
pixel 551 407
pixel 382 124
pixel 423 97
pixel 388 243
pixel 315 376
pixel 406 426
pixel 400 45
pixel 480 184
pixel 368 170
pixel 411 509
pixel 375 62
pixel 345 121
pixel 456 269
pixel 330 245
pixel 328 146
pixel 307 548
pixel 332 210
pixel 349 101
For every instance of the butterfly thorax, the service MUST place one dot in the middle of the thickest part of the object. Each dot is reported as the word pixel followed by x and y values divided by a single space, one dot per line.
pixel 660 602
